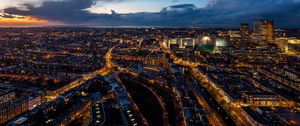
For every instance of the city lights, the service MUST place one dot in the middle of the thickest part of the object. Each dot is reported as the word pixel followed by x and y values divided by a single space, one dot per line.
pixel 162 63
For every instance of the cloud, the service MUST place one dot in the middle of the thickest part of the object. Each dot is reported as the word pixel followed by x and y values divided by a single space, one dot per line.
pixel 3 15
pixel 284 12
pixel 183 6
pixel 69 11
pixel 218 13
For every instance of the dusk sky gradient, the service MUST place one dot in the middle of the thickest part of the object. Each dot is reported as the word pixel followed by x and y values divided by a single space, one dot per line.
pixel 168 13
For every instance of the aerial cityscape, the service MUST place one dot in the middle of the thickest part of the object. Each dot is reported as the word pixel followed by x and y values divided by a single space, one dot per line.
pixel 149 63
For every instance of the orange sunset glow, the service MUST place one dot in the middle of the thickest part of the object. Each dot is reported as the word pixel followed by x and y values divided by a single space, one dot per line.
pixel 21 21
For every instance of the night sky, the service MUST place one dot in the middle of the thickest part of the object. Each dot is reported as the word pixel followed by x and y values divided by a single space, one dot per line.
pixel 168 13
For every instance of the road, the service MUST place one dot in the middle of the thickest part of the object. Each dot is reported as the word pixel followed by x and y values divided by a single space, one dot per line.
pixel 213 118
pixel 179 60
pixel 208 102
pixel 102 72
pixel 220 98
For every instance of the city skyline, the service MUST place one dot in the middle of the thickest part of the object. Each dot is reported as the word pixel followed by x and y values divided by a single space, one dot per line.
pixel 166 13
pixel 149 63
pixel 150 76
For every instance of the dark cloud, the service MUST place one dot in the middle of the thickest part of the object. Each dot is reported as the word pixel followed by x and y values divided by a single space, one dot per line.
pixel 183 6
pixel 286 13
pixel 218 13
pixel 3 15
pixel 69 11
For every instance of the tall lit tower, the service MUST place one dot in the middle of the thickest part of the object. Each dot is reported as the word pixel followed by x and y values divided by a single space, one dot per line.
pixel 244 29
pixel 264 29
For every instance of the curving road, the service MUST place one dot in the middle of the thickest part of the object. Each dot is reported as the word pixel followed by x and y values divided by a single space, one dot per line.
pixel 50 96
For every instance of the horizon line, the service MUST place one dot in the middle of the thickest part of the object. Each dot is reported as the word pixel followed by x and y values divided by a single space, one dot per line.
pixel 83 26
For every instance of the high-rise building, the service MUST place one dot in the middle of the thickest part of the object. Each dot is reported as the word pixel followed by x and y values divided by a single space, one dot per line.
pixel 263 30
pixel 244 29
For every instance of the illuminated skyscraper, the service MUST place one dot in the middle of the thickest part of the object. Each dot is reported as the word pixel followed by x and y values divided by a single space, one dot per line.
pixel 244 29
pixel 264 30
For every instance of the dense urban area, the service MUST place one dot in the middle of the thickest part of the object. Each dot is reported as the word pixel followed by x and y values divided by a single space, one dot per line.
pixel 150 76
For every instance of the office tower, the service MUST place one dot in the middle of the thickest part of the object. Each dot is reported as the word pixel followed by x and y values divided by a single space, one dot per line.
pixel 263 30
pixel 244 29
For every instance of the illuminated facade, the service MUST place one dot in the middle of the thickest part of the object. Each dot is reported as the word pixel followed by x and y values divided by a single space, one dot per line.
pixel 6 95
pixel 262 99
pixel 234 34
pixel 288 45
pixel 10 111
pixel 221 42
pixel 34 102
pixel 263 30
pixel 282 44
pixel 182 42
pixel 244 29
pixel 294 45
